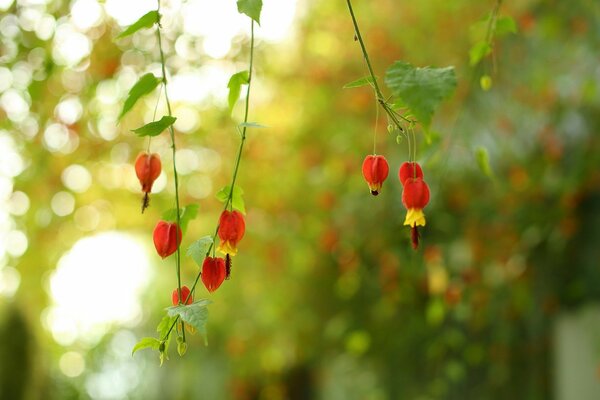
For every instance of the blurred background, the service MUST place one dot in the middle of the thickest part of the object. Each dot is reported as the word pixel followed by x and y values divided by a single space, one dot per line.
pixel 327 299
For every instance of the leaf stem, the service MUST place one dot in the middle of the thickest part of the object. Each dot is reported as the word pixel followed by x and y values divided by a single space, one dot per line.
pixel 173 147
pixel 378 94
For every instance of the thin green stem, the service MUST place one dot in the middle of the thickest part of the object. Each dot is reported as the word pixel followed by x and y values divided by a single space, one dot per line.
pixel 154 118
pixel 238 158
pixel 376 126
pixel 491 31
pixel 378 94
pixel 235 170
pixel 173 147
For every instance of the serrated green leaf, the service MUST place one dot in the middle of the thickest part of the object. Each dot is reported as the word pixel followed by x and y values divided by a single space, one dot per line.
pixel 251 8
pixel 251 125
pixel 235 87
pixel 237 197
pixel 365 80
pixel 505 25
pixel 186 214
pixel 478 52
pixel 155 128
pixel 146 84
pixel 199 248
pixel 421 89
pixel 145 343
pixel 146 21
pixel 195 314
pixel 483 161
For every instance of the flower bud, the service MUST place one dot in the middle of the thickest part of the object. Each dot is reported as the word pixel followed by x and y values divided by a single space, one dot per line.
pixel 147 169
pixel 231 231
pixel 167 237
pixel 375 169
pixel 185 294
pixel 213 273
pixel 409 170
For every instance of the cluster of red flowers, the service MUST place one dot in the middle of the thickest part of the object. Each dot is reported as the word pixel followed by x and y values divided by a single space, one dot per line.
pixel 415 193
pixel 167 235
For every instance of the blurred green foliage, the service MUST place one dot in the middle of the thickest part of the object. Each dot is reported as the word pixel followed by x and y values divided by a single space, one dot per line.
pixel 327 299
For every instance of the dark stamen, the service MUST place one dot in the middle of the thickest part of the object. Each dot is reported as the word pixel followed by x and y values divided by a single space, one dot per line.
pixel 228 264
pixel 145 202
pixel 414 237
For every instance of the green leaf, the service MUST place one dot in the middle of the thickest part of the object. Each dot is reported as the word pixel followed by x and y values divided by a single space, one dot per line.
pixel 237 199
pixel 145 343
pixel 505 25
pixel 155 128
pixel 235 87
pixel 186 214
pixel 421 89
pixel 146 84
pixel 251 125
pixel 199 248
pixel 483 161
pixel 195 314
pixel 251 8
pixel 365 80
pixel 478 52
pixel 146 21
pixel 164 326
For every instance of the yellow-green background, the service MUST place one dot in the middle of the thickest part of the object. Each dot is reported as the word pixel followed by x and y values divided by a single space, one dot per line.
pixel 327 299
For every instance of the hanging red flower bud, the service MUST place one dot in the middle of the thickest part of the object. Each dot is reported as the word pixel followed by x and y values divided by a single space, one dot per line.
pixel 185 294
pixel 415 197
pixel 147 169
pixel 375 169
pixel 213 272
pixel 231 231
pixel 167 237
pixel 409 170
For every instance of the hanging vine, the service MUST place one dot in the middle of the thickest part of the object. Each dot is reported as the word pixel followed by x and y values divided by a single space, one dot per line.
pixel 416 93
pixel 168 233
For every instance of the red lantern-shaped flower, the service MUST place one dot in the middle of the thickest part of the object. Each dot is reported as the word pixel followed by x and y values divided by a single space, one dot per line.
pixel 147 169
pixel 415 197
pixel 231 231
pixel 375 169
pixel 185 294
pixel 213 273
pixel 409 170
pixel 167 237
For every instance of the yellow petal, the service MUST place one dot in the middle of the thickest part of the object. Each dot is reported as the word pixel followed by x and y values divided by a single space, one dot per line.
pixel 227 247
pixel 415 217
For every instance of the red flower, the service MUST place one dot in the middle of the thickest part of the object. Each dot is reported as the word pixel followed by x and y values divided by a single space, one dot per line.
pixel 375 169
pixel 167 237
pixel 409 170
pixel 147 169
pixel 213 272
pixel 185 294
pixel 231 231
pixel 415 197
